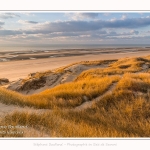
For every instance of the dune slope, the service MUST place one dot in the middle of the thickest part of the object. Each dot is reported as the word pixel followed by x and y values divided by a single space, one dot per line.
pixel 93 99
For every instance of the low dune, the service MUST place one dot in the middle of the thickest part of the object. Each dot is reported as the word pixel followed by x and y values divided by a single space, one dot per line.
pixel 40 81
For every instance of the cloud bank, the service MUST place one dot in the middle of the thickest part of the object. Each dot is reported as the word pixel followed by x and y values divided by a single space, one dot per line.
pixel 8 15
pixel 76 26
pixel 123 28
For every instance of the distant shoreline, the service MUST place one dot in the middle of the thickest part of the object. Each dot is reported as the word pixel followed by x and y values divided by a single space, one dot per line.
pixel 41 54
pixel 51 47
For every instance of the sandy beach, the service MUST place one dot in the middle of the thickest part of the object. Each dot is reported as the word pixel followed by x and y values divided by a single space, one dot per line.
pixel 17 67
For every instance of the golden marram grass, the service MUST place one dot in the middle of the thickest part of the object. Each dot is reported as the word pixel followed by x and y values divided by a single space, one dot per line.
pixel 119 97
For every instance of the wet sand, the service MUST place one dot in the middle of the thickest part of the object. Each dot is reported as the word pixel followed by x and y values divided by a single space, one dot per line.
pixel 41 61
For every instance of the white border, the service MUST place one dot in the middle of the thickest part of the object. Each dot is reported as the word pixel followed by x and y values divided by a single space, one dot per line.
pixel 68 144
pixel 57 5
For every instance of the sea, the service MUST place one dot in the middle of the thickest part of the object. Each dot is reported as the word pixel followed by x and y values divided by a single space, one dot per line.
pixel 44 47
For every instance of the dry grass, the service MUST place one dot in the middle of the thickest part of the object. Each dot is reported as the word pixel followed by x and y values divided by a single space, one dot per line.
pixel 63 124
pixel 10 97
pixel 65 95
pixel 119 114
pixel 120 67
pixel 134 83
pixel 123 113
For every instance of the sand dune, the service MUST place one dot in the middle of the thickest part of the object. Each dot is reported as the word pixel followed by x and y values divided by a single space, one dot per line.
pixel 33 85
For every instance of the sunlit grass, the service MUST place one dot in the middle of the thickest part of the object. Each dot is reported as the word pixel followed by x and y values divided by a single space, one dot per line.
pixel 65 95
pixel 124 112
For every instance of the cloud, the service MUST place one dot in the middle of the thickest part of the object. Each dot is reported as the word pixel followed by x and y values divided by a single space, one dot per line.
pixel 77 34
pixel 106 14
pixel 84 26
pixel 80 16
pixel 67 26
pixel 10 32
pixel 79 30
pixel 28 14
pixel 134 32
pixel 124 17
pixel 78 25
pixel 8 15
pixel 27 22
pixel 21 36
pixel 87 15
pixel 128 23
pixel 1 23
pixel 113 19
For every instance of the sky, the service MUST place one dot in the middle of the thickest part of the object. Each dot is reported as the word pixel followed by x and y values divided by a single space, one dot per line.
pixel 29 28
